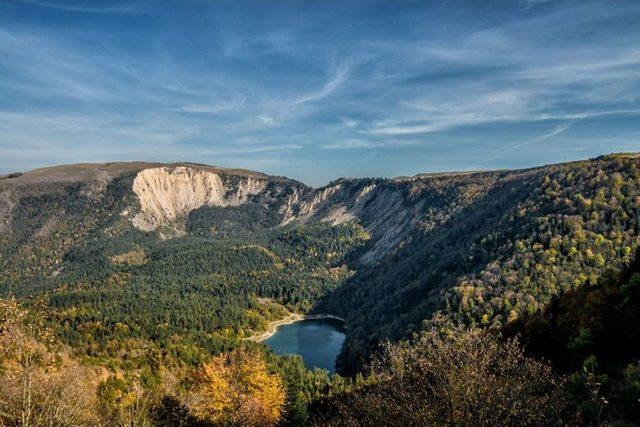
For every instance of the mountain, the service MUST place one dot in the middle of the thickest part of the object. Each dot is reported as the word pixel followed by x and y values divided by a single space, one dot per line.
pixel 492 247
pixel 148 278
pixel 480 248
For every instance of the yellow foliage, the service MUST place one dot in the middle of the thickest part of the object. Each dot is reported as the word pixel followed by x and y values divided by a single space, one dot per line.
pixel 39 385
pixel 237 388
pixel 214 401
pixel 580 279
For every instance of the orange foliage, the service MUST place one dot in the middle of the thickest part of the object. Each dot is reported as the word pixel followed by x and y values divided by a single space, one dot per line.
pixel 237 388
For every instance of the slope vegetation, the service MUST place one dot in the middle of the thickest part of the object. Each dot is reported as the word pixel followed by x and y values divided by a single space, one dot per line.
pixel 200 245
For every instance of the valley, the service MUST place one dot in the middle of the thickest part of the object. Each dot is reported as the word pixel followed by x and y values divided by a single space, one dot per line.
pixel 319 213
pixel 147 271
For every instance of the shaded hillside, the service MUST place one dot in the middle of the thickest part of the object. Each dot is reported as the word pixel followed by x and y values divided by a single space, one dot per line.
pixel 492 247
pixel 577 362
pixel 592 333
pixel 466 378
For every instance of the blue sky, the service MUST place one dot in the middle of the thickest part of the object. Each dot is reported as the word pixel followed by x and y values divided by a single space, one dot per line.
pixel 317 90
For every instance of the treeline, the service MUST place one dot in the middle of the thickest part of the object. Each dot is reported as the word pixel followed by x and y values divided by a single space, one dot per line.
pixel 591 334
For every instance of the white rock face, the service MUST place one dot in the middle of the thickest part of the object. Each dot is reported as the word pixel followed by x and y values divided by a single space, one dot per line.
pixel 167 194
pixel 306 209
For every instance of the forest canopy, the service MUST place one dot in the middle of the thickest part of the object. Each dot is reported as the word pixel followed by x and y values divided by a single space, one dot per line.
pixel 122 326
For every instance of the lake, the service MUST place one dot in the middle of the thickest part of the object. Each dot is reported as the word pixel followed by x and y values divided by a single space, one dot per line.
pixel 318 341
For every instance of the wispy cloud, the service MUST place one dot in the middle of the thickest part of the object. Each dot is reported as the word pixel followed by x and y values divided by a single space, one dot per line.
pixel 352 143
pixel 267 120
pixel 338 78
pixel 211 107
pixel 79 6
pixel 348 122
pixel 556 131
pixel 328 84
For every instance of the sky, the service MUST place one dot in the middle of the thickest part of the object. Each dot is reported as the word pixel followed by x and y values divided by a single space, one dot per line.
pixel 317 90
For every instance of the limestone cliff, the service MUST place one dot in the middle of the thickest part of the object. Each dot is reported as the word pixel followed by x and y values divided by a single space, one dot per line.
pixel 169 193
pixel 387 209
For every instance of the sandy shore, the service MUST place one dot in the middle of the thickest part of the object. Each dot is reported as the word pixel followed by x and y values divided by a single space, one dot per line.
pixel 292 318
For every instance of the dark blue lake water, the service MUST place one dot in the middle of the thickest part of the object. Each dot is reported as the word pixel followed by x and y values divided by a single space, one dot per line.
pixel 318 341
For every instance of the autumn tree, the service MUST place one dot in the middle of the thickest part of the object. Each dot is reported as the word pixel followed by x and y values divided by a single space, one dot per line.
pixel 123 401
pixel 237 388
pixel 39 385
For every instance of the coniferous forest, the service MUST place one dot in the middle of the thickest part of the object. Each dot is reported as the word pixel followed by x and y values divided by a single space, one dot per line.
pixel 506 297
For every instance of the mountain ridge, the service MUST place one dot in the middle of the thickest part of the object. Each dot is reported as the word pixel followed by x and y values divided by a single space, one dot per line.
pixel 390 256
pixel 136 165
pixel 388 208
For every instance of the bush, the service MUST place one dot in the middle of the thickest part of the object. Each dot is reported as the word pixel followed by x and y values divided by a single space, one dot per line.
pixel 466 378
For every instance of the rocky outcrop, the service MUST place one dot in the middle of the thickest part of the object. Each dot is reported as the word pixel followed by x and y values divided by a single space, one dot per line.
pixel 173 199
pixel 164 195
pixel 386 209
pixel 167 194
pixel 303 206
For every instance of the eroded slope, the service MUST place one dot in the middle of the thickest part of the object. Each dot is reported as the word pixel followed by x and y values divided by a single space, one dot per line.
pixel 169 193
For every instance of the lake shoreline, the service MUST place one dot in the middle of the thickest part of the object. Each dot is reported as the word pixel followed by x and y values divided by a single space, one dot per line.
pixel 292 318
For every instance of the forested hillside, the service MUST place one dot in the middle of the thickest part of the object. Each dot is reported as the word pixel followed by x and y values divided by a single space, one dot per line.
pixel 576 362
pixel 513 242
pixel 147 278
pixel 592 335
